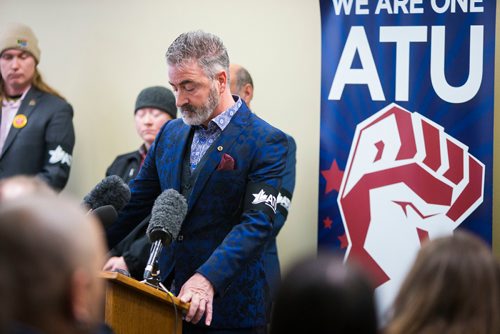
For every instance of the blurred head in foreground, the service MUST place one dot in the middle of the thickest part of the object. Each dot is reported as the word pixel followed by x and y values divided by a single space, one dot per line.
pixel 23 185
pixel 453 287
pixel 324 295
pixel 51 253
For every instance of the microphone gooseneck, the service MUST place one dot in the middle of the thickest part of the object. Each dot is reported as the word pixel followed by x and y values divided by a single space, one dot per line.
pixel 167 215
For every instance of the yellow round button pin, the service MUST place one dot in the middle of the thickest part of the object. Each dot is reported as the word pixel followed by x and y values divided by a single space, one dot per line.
pixel 20 121
pixel 220 148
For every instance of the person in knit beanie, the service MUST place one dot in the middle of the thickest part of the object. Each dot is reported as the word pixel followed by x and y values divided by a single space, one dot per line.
pixel 154 107
pixel 36 125
pixel 157 97
pixel 20 37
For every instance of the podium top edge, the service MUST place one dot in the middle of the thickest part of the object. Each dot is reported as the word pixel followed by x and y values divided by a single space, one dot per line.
pixel 144 288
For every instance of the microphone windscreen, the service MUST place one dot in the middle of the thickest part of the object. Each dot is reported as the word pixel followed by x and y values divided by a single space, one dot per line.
pixel 110 191
pixel 167 215
pixel 106 214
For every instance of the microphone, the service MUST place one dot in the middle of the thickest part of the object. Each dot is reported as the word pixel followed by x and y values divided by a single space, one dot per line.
pixel 110 191
pixel 167 216
pixel 106 214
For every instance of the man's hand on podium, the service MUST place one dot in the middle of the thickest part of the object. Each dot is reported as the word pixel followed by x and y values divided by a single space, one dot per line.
pixel 200 293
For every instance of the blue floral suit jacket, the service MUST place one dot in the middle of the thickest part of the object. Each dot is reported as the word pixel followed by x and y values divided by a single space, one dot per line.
pixel 221 237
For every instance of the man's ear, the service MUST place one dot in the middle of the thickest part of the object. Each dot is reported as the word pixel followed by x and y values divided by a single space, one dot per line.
pixel 222 80
pixel 79 296
pixel 247 93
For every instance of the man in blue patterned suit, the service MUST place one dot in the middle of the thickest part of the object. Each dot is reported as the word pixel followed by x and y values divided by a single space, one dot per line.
pixel 229 165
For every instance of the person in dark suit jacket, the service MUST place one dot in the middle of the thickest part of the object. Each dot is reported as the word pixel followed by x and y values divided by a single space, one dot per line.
pixel 242 85
pixel 36 127
pixel 229 164
pixel 154 107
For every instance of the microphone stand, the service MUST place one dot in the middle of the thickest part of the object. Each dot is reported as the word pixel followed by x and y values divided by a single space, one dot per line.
pixel 152 278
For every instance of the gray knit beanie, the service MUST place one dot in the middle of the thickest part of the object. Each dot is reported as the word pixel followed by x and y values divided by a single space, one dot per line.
pixel 157 97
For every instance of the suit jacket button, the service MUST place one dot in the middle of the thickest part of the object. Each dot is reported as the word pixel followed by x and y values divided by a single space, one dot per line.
pixel 180 238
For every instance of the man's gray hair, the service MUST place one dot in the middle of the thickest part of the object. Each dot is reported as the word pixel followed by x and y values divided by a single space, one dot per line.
pixel 205 48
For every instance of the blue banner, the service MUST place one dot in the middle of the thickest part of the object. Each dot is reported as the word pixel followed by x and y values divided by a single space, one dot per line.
pixel 406 152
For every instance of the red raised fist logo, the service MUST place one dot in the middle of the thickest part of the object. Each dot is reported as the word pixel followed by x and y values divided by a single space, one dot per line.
pixel 406 180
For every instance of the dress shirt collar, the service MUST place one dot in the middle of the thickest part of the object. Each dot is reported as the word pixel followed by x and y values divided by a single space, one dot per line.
pixel 222 120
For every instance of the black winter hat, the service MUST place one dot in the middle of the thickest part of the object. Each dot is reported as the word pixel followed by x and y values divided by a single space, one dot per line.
pixel 157 97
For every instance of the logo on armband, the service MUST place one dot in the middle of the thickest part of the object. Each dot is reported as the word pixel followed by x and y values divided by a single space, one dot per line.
pixel 269 200
pixel 284 201
pixel 58 155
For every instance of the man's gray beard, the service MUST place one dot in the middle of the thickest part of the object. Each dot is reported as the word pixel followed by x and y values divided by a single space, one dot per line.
pixel 198 116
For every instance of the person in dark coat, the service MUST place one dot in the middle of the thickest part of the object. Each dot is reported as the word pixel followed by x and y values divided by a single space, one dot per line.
pixel 36 124
pixel 154 107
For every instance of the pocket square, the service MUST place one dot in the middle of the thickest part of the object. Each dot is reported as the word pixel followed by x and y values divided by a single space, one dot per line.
pixel 226 163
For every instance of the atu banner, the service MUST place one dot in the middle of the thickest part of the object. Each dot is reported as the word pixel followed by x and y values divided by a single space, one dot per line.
pixel 406 128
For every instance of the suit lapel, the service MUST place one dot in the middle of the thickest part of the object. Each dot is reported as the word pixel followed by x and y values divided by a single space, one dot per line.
pixel 29 104
pixel 220 146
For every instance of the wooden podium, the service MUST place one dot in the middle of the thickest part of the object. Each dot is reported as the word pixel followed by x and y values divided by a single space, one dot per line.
pixel 134 307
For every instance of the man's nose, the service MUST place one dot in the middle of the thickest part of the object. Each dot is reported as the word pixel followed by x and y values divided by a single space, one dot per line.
pixel 15 62
pixel 180 99
pixel 148 119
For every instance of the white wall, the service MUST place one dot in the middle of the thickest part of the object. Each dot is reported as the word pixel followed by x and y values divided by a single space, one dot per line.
pixel 100 53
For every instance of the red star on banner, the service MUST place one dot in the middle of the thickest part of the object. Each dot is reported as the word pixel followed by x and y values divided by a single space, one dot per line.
pixel 343 241
pixel 327 223
pixel 333 177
